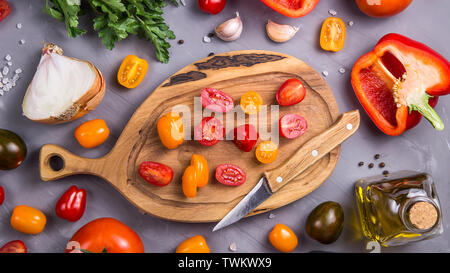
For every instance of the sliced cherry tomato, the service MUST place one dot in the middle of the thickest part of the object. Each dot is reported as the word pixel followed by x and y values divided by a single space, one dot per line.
pixel 245 137
pixel 5 9
pixel 266 152
pixel 92 133
pixel 216 100
pixel 171 130
pixel 72 204
pixel 2 195
pixel 332 35
pixel 132 71
pixel 382 8
pixel 195 175
pixel 251 102
pixel 156 173
pixel 196 244
pixel 28 220
pixel 292 8
pixel 201 167
pixel 292 126
pixel 212 6
pixel 209 132
pixel 230 175
pixel 283 238
pixel 291 92
pixel 16 246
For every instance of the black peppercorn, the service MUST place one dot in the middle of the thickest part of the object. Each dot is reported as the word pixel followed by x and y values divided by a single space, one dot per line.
pixel 211 54
pixel 370 165
pixel 210 35
pixel 385 172
pixel 361 164
pixel 382 165
pixel 377 156
pixel 180 42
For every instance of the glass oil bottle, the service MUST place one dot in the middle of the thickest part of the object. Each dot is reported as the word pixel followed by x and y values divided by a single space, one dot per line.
pixel 398 208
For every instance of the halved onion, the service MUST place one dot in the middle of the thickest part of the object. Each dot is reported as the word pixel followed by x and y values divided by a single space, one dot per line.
pixel 63 88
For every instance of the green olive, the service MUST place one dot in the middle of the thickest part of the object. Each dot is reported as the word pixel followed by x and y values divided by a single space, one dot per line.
pixel 12 150
pixel 325 222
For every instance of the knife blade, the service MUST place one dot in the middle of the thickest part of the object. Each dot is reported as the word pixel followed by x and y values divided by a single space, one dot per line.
pixel 308 154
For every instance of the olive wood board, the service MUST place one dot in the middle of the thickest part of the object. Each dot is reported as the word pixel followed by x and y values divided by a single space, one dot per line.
pixel 234 73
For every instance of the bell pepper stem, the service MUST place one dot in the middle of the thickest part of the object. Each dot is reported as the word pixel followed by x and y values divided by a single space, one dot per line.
pixel 428 112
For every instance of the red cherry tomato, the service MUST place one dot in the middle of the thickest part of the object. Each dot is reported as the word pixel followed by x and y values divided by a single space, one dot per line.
pixel 245 137
pixel 5 9
pixel 156 173
pixel 16 246
pixel 291 92
pixel 230 175
pixel 72 204
pixel 209 132
pixel 292 126
pixel 216 100
pixel 382 8
pixel 2 195
pixel 212 6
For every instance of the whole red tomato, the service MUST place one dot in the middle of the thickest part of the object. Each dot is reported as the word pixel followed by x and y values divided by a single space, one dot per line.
pixel 212 6
pixel 245 137
pixel 5 9
pixel 382 8
pixel 72 204
pixel 105 235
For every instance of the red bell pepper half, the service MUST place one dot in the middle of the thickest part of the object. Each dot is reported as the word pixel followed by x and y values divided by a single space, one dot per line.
pixel 292 8
pixel 396 80
pixel 71 204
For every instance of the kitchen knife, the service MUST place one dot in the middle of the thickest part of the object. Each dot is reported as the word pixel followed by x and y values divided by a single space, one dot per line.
pixel 308 154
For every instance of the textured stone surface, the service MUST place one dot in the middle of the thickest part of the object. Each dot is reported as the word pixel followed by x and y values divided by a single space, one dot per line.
pixel 421 149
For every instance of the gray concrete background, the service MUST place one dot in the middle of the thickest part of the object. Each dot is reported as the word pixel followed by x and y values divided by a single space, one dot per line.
pixel 421 149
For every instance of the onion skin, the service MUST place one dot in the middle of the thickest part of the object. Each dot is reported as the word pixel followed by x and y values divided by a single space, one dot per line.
pixel 89 101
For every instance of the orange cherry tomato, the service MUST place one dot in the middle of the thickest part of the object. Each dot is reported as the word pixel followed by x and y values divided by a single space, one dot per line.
pixel 171 130
pixel 266 152
pixel 28 220
pixel 283 238
pixel 92 133
pixel 195 175
pixel 196 244
pixel 132 71
pixel 332 35
pixel 382 8
pixel 251 102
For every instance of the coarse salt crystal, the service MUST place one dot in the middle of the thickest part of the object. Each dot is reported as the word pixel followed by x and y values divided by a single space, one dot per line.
pixel 325 73
pixel 9 63
pixel 233 247
pixel 5 80
pixel 342 70
pixel 351 23
pixel 271 216
pixel 19 26
pixel 5 70
pixel 1 92
pixel 15 77
pixel 8 57
pixel 18 71
pixel 332 12
pixel 5 88
pixel 22 41
pixel 206 39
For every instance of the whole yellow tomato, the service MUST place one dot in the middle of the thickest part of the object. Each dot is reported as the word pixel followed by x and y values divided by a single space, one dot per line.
pixel 283 238
pixel 28 220
pixel 171 130
pixel 196 244
pixel 92 133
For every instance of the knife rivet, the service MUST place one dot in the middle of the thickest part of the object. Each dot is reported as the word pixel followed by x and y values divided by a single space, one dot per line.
pixel 279 179
pixel 314 153
pixel 349 126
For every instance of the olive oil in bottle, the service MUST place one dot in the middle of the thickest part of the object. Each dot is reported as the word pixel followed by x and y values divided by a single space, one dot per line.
pixel 398 208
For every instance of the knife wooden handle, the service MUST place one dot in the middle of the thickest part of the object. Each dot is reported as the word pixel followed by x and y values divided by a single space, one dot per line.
pixel 313 150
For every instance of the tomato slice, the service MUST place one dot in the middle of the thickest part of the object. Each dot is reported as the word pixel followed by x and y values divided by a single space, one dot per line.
pixel 266 152
pixel 16 246
pixel 245 137
pixel 209 132
pixel 230 175
pixel 251 103
pixel 291 92
pixel 216 100
pixel 156 173
pixel 132 71
pixel 292 126
pixel 332 35
pixel 5 9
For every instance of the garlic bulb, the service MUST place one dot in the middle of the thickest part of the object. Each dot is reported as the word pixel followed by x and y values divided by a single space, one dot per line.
pixel 63 88
pixel 230 30
pixel 280 33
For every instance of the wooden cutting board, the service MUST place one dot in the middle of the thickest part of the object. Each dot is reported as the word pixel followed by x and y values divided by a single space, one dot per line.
pixel 235 73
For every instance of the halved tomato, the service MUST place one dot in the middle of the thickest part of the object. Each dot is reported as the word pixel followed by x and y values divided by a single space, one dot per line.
pixel 5 9
pixel 216 100
pixel 245 137
pixel 230 175
pixel 132 71
pixel 291 92
pixel 2 195
pixel 332 35
pixel 292 126
pixel 16 246
pixel 251 102
pixel 156 173
pixel 209 132
pixel 266 152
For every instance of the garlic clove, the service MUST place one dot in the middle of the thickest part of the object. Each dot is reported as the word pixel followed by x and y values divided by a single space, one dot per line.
pixel 230 30
pixel 280 33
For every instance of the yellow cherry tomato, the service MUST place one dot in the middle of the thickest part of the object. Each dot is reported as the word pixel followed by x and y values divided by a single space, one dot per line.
pixel 196 244
pixel 332 35
pixel 92 133
pixel 28 220
pixel 283 238
pixel 195 175
pixel 132 71
pixel 251 103
pixel 171 130
pixel 266 152
pixel 201 166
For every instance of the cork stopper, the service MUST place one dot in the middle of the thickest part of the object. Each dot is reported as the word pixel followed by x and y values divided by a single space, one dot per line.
pixel 423 215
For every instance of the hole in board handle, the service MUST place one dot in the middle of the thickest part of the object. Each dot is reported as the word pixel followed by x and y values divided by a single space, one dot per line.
pixel 56 162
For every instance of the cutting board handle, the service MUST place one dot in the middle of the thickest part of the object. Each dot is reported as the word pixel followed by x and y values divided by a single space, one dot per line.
pixel 71 164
